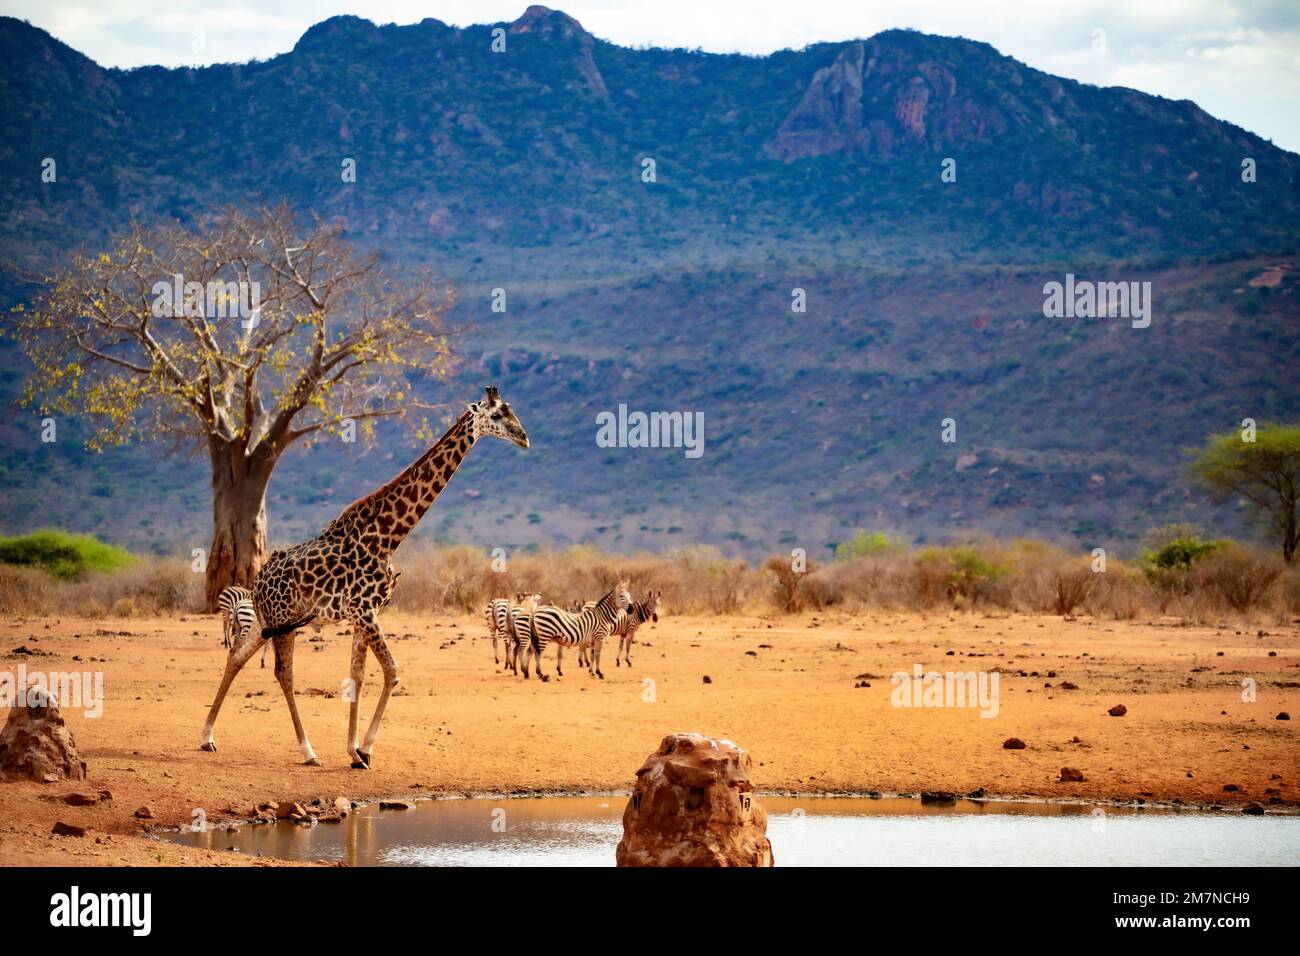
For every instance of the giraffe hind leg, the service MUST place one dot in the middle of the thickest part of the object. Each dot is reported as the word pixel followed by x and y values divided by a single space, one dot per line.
pixel 380 649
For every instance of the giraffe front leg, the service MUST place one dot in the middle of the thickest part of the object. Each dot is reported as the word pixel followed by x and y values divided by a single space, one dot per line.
pixel 355 677
pixel 389 667
pixel 284 674
pixel 239 655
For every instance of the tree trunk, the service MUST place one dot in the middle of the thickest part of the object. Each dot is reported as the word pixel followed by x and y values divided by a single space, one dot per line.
pixel 238 517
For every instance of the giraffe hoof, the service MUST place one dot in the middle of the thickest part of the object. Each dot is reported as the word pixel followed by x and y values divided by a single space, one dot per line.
pixel 364 756
pixel 210 747
pixel 313 762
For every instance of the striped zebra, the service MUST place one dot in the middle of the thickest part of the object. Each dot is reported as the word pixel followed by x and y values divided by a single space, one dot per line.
pixel 628 622
pixel 569 629
pixel 245 625
pixel 516 630
pixel 494 615
pixel 226 602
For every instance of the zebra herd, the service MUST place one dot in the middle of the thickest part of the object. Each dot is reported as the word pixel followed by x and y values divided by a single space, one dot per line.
pixel 525 627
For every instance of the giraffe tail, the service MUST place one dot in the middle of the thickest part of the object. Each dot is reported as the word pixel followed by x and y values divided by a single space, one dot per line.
pixel 281 629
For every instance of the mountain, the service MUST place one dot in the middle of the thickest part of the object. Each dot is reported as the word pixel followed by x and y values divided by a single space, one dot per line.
pixel 818 169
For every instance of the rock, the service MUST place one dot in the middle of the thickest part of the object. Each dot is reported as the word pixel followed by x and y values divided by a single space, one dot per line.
pixel 35 744
pixel 1253 809
pixel 1282 715
pixel 708 679
pixel 68 829
pixel 288 810
pixel 694 805
pixel 1119 710
pixel 395 805
pixel 1069 685
pixel 342 805
pixel 1231 788
pixel 144 813
pixel 1013 743
pixel 76 799
pixel 938 797
pixel 106 795
pixel 1070 775
pixel 977 794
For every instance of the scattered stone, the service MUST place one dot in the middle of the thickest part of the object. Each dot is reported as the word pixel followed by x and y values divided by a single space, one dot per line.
pixel 1283 715
pixel 708 679
pixel 938 797
pixel 1253 809
pixel 143 813
pixel 1071 775
pixel 1119 710
pixel 1231 788
pixel 68 829
pixel 694 805
pixel 35 744
pixel 1013 743
pixel 1067 685
pixel 76 799
pixel 395 805
pixel 288 810
pixel 342 805
pixel 978 794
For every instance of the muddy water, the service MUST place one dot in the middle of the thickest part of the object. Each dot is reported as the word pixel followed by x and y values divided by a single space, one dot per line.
pixel 806 831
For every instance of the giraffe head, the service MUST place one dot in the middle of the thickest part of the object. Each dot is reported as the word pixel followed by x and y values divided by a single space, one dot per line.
pixel 491 416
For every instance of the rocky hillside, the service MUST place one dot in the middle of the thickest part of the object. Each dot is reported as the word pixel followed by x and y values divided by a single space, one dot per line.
pixel 817 169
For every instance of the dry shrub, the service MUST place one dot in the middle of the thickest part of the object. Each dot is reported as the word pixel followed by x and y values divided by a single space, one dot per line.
pixel 788 589
pixel 149 586
pixel 1240 578
pixel 25 591
pixel 1073 582
pixel 1122 593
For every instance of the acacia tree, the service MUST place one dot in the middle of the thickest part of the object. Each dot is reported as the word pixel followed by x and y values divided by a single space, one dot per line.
pixel 238 338
pixel 1264 471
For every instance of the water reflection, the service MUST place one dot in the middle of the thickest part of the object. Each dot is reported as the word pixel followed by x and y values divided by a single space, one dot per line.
pixel 808 831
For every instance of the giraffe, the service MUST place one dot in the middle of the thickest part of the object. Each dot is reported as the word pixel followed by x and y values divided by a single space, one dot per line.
pixel 345 574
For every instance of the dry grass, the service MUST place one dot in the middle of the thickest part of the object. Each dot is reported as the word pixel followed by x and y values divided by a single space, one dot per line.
pixel 1023 576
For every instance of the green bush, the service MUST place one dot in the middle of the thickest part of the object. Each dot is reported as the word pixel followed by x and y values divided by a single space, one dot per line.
pixel 863 544
pixel 1183 553
pixel 63 555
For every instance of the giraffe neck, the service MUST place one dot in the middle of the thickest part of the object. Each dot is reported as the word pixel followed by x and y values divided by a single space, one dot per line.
pixel 384 518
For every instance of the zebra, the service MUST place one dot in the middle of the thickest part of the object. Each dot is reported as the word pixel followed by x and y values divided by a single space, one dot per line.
pixel 226 602
pixel 516 630
pixel 243 620
pixel 494 615
pixel 568 629
pixel 633 618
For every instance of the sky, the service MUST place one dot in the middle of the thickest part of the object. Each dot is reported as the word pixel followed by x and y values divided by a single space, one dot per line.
pixel 1237 59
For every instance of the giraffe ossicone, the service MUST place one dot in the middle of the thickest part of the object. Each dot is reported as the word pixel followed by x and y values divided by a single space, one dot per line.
pixel 346 574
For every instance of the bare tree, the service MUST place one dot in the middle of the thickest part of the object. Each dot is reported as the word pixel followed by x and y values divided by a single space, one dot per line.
pixel 238 337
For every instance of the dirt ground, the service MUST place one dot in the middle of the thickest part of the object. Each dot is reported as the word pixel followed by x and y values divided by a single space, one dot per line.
pixel 787 689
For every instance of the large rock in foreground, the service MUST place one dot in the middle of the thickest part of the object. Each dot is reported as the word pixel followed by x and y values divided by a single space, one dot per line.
pixel 694 805
pixel 35 743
